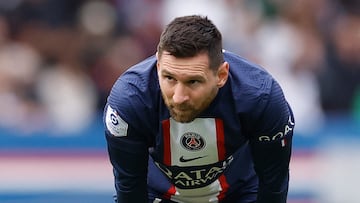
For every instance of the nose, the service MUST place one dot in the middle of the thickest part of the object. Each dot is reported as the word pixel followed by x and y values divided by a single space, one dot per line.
pixel 180 94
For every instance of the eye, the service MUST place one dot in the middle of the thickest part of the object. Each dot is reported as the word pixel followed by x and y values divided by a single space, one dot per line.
pixel 167 77
pixel 191 82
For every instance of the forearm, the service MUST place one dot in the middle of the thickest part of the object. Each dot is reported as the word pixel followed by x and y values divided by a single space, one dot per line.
pixel 267 193
pixel 272 166
pixel 129 168
pixel 131 193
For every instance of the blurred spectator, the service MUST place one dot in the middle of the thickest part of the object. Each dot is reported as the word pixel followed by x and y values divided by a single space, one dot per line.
pixel 19 107
pixel 38 99
pixel 69 98
pixel 216 10
pixel 141 19
pixel 340 80
pixel 123 52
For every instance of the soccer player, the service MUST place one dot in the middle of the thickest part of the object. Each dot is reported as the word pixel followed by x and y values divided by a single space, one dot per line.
pixel 195 124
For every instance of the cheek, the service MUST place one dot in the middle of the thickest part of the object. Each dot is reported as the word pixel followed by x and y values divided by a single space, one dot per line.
pixel 198 97
pixel 165 90
pixel 207 95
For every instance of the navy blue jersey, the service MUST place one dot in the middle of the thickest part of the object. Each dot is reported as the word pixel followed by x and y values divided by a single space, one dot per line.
pixel 237 150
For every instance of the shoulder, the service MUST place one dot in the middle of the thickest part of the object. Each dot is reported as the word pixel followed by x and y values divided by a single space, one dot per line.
pixel 139 76
pixel 134 92
pixel 135 82
pixel 250 83
pixel 247 74
pixel 259 99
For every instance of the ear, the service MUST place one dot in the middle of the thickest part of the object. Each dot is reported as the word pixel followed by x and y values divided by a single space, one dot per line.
pixel 222 74
pixel 157 61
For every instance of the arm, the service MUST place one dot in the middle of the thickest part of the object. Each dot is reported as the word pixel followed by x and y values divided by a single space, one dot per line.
pixel 129 160
pixel 129 157
pixel 271 147
pixel 130 124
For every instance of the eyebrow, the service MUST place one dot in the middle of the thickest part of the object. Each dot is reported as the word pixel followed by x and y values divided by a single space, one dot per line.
pixel 166 72
pixel 189 77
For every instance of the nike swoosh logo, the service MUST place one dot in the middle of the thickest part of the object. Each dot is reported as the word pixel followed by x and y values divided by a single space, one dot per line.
pixel 182 159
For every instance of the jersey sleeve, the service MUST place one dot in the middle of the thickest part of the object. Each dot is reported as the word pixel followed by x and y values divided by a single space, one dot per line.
pixel 126 143
pixel 270 141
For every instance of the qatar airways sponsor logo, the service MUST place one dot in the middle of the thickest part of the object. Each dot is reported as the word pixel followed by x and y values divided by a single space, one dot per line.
pixel 281 134
pixel 194 176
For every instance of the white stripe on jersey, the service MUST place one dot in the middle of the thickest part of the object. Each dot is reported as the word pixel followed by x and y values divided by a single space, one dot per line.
pixel 206 128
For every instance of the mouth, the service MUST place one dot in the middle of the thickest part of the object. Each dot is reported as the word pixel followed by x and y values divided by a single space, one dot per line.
pixel 180 109
pixel 182 114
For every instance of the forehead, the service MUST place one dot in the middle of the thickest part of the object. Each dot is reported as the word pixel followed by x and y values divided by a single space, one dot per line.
pixel 171 63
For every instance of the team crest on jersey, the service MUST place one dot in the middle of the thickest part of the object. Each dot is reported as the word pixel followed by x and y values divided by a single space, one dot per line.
pixel 192 141
pixel 115 124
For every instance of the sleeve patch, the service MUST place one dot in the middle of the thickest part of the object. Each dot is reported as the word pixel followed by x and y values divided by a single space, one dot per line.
pixel 115 124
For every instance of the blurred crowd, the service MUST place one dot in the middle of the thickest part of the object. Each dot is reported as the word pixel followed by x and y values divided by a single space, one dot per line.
pixel 59 58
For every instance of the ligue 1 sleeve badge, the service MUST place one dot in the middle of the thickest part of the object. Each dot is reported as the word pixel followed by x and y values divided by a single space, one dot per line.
pixel 114 123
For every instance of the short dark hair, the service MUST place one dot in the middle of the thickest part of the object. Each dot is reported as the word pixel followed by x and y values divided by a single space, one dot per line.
pixel 188 36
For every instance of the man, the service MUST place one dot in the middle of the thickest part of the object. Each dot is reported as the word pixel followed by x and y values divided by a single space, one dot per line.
pixel 198 124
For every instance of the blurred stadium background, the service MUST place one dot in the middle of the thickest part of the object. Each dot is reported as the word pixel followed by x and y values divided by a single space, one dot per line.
pixel 59 58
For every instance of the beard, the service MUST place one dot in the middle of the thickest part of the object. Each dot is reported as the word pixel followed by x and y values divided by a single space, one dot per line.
pixel 183 113
pixel 187 112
